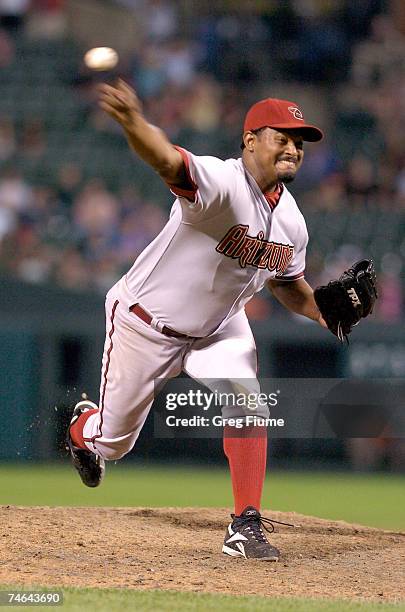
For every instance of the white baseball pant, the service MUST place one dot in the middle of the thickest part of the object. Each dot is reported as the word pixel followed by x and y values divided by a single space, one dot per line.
pixel 136 354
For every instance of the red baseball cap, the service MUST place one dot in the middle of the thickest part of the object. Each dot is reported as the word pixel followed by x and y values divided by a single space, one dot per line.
pixel 280 114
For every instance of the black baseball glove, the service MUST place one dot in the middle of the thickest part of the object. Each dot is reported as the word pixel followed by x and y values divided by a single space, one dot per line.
pixel 344 302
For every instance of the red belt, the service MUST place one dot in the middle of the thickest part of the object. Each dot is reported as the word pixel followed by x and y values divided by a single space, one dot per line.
pixel 167 331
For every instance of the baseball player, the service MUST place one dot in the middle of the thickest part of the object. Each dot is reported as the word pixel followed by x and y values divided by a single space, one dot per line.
pixel 234 227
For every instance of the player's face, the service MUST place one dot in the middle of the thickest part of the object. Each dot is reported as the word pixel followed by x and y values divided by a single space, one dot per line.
pixel 279 154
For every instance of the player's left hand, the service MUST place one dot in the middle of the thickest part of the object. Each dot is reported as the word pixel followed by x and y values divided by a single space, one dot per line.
pixel 345 301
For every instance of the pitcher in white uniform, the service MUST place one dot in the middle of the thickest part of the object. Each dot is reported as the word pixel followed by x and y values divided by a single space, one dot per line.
pixel 234 227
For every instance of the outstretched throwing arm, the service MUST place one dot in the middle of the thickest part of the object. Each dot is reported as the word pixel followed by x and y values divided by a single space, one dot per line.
pixel 148 141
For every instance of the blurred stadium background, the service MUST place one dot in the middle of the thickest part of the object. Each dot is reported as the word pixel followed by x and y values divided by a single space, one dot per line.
pixel 76 207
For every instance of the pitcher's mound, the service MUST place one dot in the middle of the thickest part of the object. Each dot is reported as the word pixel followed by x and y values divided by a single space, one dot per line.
pixel 180 548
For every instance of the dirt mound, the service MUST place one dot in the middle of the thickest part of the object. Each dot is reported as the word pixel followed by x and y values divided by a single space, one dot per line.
pixel 172 548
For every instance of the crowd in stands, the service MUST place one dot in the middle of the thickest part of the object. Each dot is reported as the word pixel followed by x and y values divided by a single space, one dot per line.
pixel 343 61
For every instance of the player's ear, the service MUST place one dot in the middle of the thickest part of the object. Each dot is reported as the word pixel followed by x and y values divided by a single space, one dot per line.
pixel 248 140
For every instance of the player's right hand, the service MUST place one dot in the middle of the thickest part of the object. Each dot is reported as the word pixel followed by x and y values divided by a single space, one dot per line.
pixel 120 102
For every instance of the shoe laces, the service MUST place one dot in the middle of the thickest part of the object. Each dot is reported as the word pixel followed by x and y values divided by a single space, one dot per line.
pixel 256 524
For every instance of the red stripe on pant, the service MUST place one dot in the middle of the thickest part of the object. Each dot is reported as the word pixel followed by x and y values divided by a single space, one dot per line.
pixel 107 367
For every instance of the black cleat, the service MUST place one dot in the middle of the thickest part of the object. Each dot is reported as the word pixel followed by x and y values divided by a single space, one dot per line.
pixel 90 466
pixel 245 537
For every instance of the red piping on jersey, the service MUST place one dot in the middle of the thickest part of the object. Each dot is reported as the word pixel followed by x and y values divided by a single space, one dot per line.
pixel 177 189
pixel 107 366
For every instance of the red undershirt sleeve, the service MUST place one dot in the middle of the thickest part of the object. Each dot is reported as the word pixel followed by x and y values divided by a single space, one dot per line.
pixel 189 189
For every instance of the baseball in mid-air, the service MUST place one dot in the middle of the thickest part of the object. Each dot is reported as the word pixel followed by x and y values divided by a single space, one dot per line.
pixel 101 58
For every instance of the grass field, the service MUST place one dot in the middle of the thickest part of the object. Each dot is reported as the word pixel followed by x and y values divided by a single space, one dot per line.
pixel 377 500
pixel 120 600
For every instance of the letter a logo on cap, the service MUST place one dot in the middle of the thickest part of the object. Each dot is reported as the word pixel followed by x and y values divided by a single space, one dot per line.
pixel 297 114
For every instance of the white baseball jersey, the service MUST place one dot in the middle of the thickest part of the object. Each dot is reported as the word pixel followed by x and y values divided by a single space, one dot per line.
pixel 224 240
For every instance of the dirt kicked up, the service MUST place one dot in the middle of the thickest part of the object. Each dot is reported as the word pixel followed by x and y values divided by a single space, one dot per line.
pixel 171 548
